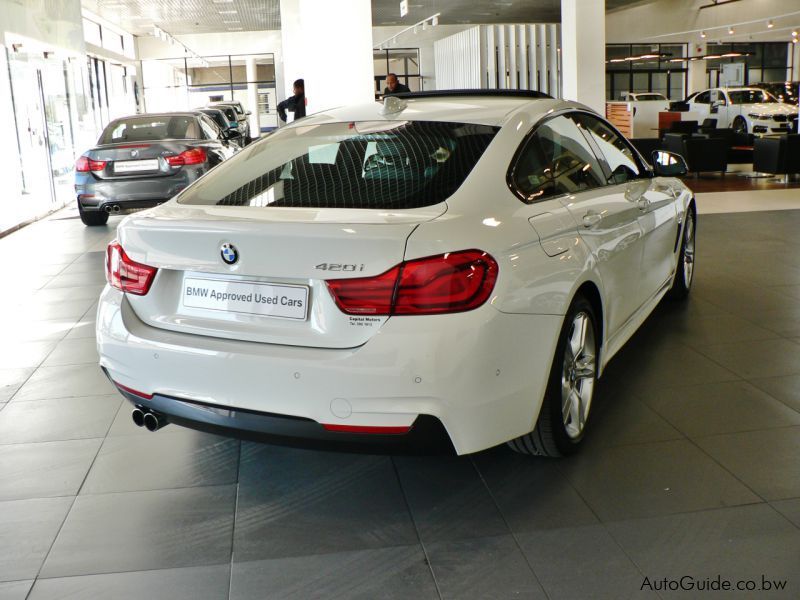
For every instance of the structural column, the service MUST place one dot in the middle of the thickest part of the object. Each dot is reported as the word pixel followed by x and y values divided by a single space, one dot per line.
pixel 329 45
pixel 252 96
pixel 697 76
pixel 583 52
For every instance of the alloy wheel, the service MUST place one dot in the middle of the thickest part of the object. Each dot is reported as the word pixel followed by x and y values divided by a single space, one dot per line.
pixel 688 250
pixel 578 375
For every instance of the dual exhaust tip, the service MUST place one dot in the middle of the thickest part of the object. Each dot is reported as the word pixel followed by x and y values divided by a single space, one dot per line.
pixel 152 421
pixel 112 208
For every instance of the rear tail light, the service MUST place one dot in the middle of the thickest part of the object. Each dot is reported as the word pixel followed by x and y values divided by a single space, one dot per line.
pixel 85 164
pixel 447 283
pixel 193 156
pixel 125 274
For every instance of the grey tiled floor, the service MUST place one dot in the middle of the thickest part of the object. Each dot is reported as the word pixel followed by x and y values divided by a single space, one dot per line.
pixel 691 466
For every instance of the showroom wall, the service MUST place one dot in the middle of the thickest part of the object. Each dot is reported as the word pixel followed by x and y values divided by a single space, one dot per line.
pixel 29 28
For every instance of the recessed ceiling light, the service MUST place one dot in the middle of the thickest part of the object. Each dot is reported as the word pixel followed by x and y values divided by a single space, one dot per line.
pixel 234 28
pixel 770 24
pixel 228 12
pixel 231 22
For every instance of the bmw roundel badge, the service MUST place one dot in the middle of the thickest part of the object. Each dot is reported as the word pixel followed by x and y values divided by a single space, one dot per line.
pixel 229 253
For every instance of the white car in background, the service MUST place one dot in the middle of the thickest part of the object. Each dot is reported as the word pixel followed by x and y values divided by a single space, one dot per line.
pixel 745 110
pixel 468 262
pixel 644 97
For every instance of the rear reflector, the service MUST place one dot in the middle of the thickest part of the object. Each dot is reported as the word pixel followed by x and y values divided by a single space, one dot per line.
pixel 193 156
pixel 125 274
pixel 84 164
pixel 367 429
pixel 446 283
pixel 125 388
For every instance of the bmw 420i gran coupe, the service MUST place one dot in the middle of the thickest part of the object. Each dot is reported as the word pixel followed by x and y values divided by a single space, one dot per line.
pixel 143 160
pixel 467 261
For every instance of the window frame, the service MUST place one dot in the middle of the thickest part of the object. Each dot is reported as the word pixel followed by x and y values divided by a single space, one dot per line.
pixel 601 157
pixel 647 171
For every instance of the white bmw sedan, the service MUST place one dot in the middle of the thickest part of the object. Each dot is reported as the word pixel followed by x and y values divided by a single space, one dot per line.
pixel 464 263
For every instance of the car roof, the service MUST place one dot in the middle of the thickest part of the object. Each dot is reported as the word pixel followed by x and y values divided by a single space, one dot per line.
pixel 492 110
pixel 182 113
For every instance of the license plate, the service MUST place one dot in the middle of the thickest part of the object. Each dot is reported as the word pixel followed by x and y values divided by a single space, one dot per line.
pixel 249 297
pixel 134 166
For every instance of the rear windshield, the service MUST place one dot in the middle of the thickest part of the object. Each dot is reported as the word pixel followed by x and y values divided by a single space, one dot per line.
pixel 146 128
pixel 381 164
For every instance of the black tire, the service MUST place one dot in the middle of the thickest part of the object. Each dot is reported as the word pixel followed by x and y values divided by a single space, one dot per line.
pixel 550 437
pixel 93 218
pixel 682 282
pixel 740 125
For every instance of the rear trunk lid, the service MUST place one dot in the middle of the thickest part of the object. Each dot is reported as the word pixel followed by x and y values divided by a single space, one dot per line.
pixel 276 287
pixel 137 160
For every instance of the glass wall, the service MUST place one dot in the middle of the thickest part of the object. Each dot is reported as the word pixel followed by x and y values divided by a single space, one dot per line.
pixel 403 62
pixel 186 82
pixel 768 62
pixel 645 74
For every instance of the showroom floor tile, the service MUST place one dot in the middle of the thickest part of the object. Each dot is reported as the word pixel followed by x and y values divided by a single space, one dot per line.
pixel 690 466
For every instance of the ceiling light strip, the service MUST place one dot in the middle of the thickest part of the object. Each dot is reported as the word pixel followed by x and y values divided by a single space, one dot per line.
pixel 170 39
pixel 433 19
pixel 739 24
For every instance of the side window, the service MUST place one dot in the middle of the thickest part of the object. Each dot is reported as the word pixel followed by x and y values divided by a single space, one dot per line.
pixel 703 98
pixel 556 160
pixel 209 130
pixel 619 155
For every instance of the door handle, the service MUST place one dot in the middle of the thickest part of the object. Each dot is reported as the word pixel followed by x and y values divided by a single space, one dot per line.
pixel 591 218
pixel 643 204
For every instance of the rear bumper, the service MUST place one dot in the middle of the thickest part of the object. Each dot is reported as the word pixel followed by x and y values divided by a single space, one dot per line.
pixel 95 194
pixel 481 374
pixel 426 433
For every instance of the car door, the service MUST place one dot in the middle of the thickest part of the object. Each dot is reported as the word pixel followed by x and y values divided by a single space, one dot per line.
pixel 653 197
pixel 561 165
pixel 701 106
pixel 720 108
pixel 218 148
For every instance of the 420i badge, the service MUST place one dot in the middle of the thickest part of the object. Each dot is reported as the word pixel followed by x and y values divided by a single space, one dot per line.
pixel 340 267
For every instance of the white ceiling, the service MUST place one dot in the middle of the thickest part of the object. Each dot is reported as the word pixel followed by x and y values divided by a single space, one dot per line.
pixel 212 16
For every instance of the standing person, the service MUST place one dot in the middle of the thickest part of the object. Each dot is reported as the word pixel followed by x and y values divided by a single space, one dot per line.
pixel 296 104
pixel 393 86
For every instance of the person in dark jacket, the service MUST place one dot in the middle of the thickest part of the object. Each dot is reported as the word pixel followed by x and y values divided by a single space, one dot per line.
pixel 295 104
pixel 393 86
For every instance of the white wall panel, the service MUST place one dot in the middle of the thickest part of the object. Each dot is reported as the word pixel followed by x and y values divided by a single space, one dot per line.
pixel 541 59
pixel 522 56
pixel 458 62
pixel 501 56
pixel 513 82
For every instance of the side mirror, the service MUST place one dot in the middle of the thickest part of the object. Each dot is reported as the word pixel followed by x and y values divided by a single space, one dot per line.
pixel 248 113
pixel 668 164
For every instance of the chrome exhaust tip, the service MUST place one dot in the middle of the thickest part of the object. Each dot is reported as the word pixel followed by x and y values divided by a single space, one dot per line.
pixel 137 414
pixel 154 421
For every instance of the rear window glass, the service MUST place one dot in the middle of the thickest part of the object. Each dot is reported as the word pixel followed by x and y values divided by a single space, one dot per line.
pixel 382 165
pixel 136 129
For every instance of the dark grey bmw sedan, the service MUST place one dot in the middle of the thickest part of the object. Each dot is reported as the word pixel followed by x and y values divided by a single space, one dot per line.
pixel 143 160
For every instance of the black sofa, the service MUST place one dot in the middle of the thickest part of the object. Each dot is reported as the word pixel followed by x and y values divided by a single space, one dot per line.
pixel 701 152
pixel 777 155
